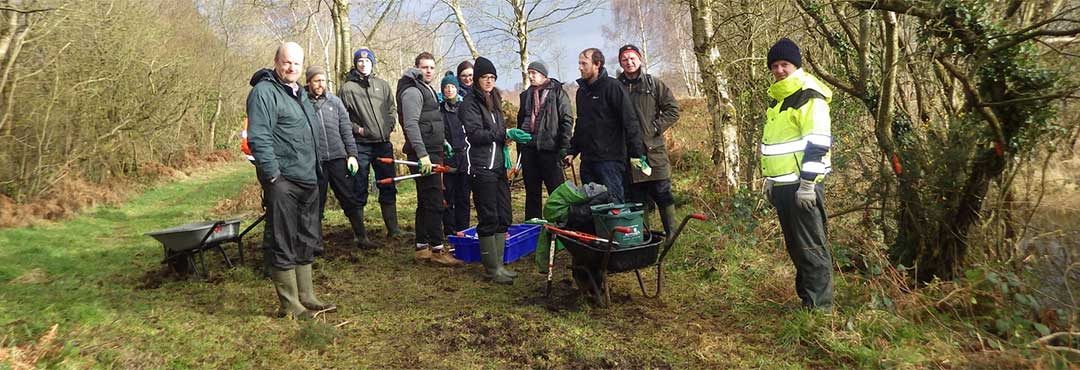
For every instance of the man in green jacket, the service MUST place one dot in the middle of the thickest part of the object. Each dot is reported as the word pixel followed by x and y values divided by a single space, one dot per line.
pixel 795 148
pixel 370 103
pixel 657 112
pixel 281 133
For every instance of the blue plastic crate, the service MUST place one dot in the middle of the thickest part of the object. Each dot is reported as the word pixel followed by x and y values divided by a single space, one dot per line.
pixel 520 242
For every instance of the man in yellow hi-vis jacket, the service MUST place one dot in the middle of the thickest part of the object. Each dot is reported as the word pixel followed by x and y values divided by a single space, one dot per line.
pixel 794 161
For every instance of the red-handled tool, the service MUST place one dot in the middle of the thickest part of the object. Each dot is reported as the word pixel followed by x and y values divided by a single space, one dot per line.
pixel 514 171
pixel 435 168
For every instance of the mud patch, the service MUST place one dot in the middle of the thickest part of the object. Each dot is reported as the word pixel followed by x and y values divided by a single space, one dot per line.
pixel 33 276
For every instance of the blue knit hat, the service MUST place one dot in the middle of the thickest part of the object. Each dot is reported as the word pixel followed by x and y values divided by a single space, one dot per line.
pixel 363 53
pixel 450 79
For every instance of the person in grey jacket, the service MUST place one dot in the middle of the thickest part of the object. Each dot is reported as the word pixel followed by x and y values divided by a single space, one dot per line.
pixel 657 112
pixel 337 149
pixel 281 133
pixel 421 121
pixel 545 116
pixel 370 103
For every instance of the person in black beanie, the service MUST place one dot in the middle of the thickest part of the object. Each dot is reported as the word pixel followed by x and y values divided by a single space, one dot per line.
pixel 487 163
pixel 545 116
pixel 795 146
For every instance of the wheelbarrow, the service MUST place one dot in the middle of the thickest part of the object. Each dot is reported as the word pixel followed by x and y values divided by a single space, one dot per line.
pixel 184 245
pixel 594 258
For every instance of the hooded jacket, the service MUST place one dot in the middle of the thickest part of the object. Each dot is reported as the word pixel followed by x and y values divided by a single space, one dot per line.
pixel 418 111
pixel 336 141
pixel 657 111
pixel 282 128
pixel 554 122
pixel 607 126
pixel 370 103
pixel 485 135
pixel 455 133
pixel 796 140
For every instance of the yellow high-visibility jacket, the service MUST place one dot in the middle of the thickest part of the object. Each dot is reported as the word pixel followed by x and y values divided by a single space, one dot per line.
pixel 796 140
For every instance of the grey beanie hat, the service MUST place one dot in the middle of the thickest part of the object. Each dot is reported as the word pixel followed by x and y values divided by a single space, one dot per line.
pixel 539 67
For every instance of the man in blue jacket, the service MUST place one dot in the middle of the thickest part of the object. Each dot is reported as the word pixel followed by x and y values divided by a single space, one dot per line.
pixel 281 133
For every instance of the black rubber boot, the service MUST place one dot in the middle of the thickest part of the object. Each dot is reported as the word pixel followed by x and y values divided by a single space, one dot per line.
pixel 389 217
pixel 357 222
pixel 667 217
pixel 306 290
pixel 285 283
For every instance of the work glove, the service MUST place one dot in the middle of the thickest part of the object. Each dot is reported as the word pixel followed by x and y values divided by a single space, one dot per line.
pixel 519 135
pixel 642 164
pixel 766 189
pixel 352 166
pixel 425 165
pixel 448 149
pixel 805 197
pixel 506 158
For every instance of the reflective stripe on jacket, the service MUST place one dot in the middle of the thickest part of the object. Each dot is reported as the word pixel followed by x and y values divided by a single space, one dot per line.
pixel 796 140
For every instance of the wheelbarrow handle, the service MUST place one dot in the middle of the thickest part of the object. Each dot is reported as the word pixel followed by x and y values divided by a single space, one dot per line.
pixel 678 231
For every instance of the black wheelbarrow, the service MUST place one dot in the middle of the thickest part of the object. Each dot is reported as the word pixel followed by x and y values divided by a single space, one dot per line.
pixel 594 258
pixel 184 245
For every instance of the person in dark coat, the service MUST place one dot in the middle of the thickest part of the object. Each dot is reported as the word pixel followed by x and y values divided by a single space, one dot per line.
pixel 421 121
pixel 486 163
pixel 607 134
pixel 657 112
pixel 455 185
pixel 282 130
pixel 465 78
pixel 545 115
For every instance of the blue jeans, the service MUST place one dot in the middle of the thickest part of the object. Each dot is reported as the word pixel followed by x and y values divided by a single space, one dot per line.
pixel 365 155
pixel 611 174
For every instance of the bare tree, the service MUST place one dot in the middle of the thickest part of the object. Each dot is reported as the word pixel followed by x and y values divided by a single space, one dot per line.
pixel 463 26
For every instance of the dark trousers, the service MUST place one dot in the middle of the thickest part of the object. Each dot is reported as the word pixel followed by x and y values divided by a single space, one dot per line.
pixel 365 155
pixel 292 231
pixel 491 195
pixel 539 167
pixel 456 192
pixel 611 174
pixel 430 203
pixel 804 236
pixel 647 192
pixel 336 175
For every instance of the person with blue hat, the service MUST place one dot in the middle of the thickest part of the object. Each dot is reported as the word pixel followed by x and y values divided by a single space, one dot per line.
pixel 455 185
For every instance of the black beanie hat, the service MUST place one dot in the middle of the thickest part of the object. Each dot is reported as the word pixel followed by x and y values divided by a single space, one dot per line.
pixel 785 49
pixel 483 67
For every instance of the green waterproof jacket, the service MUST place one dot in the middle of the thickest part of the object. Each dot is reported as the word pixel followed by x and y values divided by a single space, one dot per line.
pixel 370 103
pixel 657 112
pixel 796 140
pixel 282 129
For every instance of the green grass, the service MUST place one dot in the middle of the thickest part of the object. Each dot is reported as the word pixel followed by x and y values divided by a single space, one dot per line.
pixel 727 303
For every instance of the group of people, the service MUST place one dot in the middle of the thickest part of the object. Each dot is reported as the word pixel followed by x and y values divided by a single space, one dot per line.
pixel 305 139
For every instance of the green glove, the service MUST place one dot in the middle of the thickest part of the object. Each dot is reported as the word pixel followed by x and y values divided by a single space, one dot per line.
pixel 352 166
pixel 506 158
pixel 519 135
pixel 425 165
pixel 642 164
pixel 448 149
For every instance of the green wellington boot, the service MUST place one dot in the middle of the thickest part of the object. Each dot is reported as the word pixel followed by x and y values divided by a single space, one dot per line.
pixel 285 283
pixel 389 216
pixel 307 291
pixel 500 239
pixel 492 260
pixel 667 217
pixel 362 241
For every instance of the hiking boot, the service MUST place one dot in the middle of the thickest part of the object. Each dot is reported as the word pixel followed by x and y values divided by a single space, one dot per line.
pixel 493 261
pixel 307 291
pixel 389 216
pixel 500 239
pixel 357 222
pixel 442 257
pixel 285 284
pixel 423 254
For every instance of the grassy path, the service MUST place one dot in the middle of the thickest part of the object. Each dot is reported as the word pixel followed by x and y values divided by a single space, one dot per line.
pixel 725 305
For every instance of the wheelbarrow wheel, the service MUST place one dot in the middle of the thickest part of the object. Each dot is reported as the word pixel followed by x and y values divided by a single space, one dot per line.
pixel 591 284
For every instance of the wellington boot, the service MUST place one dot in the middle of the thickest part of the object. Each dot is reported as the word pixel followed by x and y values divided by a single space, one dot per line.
pixel 286 285
pixel 492 260
pixel 443 257
pixel 667 217
pixel 389 217
pixel 306 290
pixel 362 241
pixel 500 239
